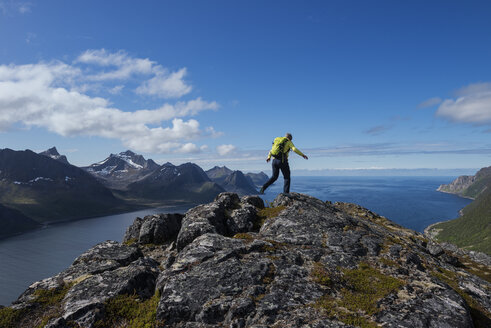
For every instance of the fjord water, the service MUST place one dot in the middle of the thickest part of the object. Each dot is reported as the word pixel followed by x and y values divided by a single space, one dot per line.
pixel 409 201
pixel 412 202
pixel 41 253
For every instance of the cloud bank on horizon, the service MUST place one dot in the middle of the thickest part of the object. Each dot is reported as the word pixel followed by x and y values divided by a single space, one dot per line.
pixel 73 99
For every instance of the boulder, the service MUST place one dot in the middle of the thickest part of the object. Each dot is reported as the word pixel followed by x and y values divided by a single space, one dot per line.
pixel 154 229
pixel 85 300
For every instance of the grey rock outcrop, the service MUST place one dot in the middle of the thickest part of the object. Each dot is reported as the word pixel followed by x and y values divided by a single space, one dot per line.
pixel 225 216
pixel 84 301
pixel 301 263
pixel 154 229
pixel 458 185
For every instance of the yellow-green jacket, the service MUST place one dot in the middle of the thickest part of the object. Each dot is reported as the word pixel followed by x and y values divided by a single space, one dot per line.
pixel 288 146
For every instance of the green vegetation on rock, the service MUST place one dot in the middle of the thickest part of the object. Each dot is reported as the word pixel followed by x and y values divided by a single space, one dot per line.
pixel 46 305
pixel 480 316
pixel 130 312
pixel 473 229
pixel 9 318
pixel 268 213
pixel 364 287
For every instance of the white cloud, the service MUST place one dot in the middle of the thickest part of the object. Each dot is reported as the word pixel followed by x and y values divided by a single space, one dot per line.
pixel 53 96
pixel 9 7
pixel 160 81
pixel 125 66
pixel 116 90
pixel 223 150
pixel 430 102
pixel 166 85
pixel 24 7
pixel 472 105
pixel 188 148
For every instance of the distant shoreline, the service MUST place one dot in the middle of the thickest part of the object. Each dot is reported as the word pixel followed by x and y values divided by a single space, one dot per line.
pixel 452 193
pixel 426 230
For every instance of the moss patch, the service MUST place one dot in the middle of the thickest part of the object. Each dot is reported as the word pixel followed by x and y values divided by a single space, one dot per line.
pixel 480 316
pixel 45 305
pixel 10 318
pixel 50 297
pixel 130 242
pixel 129 311
pixel 244 236
pixel 388 262
pixel 364 287
pixel 320 275
pixel 480 270
pixel 267 213
pixel 269 276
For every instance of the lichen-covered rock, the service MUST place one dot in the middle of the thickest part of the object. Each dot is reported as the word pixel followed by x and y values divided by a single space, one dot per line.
pixel 226 216
pixel 154 229
pixel 159 229
pixel 242 219
pixel 85 300
pixel 304 263
pixel 133 231
pixel 255 201
pixel 434 249
pixel 105 256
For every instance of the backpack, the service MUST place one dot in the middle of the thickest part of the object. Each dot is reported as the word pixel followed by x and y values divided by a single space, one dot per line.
pixel 278 149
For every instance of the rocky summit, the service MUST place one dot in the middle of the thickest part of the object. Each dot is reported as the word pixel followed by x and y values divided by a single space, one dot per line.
pixel 300 262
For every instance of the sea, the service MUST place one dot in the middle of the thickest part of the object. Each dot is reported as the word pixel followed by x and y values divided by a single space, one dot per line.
pixel 412 202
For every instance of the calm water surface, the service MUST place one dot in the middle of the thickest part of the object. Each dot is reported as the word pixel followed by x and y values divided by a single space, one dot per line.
pixel 41 253
pixel 409 201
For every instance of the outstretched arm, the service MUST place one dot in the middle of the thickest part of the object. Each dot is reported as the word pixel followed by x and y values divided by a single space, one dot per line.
pixel 299 152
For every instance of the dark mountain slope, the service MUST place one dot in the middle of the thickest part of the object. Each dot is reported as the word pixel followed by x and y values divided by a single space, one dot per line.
pixel 238 182
pixel 13 222
pixel 53 153
pixel 219 174
pixel 183 183
pixel 119 170
pixel 47 190
pixel 233 181
pixel 258 179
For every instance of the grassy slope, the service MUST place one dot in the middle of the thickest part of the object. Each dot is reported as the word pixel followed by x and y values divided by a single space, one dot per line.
pixel 478 186
pixel 473 229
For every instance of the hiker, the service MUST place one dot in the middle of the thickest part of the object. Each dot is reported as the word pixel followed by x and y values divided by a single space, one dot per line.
pixel 279 151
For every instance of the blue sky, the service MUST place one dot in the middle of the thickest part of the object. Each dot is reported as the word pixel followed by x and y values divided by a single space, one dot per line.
pixel 359 84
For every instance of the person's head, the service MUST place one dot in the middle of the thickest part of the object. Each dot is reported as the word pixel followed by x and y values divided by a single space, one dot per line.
pixel 289 136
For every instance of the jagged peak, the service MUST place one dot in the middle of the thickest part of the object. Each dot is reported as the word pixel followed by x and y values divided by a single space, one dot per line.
pixel 51 151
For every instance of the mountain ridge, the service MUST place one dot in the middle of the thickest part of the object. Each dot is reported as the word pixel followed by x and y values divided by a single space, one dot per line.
pixel 237 181
pixel 43 187
pixel 117 171
pixel 300 263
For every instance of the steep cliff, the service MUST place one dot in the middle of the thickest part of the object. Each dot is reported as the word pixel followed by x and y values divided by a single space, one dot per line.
pixel 472 230
pixel 469 186
pixel 233 263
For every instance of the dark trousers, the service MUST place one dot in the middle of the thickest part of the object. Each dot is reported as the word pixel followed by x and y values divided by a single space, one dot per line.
pixel 278 165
